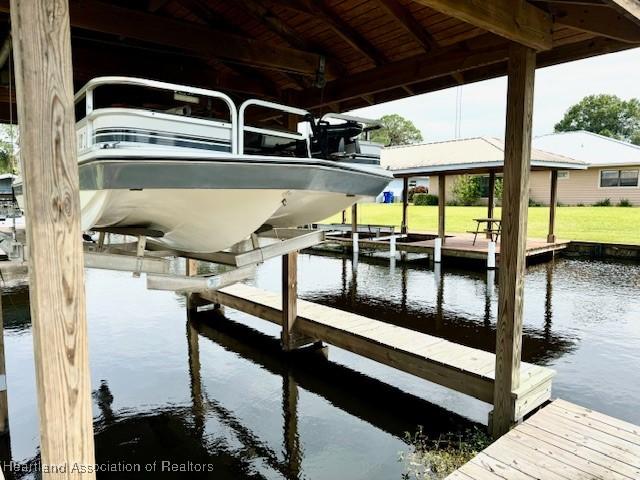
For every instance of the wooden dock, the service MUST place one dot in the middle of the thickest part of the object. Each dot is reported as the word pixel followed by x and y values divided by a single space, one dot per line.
pixel 455 246
pixel 561 441
pixel 464 369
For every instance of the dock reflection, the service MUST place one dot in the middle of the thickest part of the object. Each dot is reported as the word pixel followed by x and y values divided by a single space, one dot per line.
pixel 475 329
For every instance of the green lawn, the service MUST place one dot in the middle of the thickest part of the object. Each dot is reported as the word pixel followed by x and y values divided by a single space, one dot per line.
pixel 599 224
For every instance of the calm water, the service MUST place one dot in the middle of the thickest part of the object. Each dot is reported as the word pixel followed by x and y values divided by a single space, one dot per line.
pixel 218 391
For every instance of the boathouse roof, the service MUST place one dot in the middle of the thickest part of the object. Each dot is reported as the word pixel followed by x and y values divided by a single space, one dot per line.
pixel 330 55
pixel 468 155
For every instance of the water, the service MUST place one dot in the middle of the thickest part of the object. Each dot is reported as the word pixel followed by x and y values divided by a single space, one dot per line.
pixel 218 392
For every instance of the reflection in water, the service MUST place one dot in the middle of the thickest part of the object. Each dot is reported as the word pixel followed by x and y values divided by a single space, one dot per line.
pixel 478 331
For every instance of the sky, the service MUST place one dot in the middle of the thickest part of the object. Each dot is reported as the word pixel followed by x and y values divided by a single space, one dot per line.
pixel 484 103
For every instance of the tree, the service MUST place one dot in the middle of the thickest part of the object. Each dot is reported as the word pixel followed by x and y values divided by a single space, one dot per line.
pixel 396 130
pixel 8 148
pixel 606 115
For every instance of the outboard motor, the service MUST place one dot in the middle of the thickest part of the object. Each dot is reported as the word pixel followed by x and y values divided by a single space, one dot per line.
pixel 341 141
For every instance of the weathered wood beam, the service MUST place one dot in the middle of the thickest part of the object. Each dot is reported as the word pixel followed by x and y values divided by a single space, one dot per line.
pixel 409 23
pixel 341 28
pixel 42 57
pixel 206 42
pixel 629 8
pixel 404 227
pixel 516 20
pixel 515 203
pixel 599 20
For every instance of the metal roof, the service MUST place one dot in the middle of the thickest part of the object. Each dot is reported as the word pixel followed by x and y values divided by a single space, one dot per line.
pixel 591 148
pixel 469 155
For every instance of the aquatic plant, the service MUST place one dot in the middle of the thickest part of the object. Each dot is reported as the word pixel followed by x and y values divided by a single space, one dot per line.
pixel 435 458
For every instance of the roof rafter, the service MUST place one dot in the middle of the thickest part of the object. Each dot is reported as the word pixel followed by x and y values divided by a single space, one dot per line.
pixel 337 24
pixel 406 20
pixel 516 20
pixel 201 41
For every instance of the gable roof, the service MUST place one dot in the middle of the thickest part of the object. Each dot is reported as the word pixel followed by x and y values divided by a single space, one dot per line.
pixel 471 155
pixel 591 148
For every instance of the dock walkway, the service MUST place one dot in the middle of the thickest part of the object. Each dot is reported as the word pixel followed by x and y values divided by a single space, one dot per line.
pixel 464 369
pixel 561 441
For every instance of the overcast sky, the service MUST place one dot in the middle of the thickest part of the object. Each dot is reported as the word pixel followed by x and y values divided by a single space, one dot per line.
pixel 484 103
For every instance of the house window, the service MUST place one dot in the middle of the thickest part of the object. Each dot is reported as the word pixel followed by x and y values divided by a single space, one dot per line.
pixel 563 174
pixel 412 183
pixel 619 178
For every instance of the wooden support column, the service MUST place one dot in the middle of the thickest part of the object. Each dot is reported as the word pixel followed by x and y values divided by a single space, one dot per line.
pixel 491 201
pixel 4 404
pixel 442 200
pixel 404 228
pixel 290 339
pixel 42 56
pixel 515 200
pixel 354 219
pixel 553 206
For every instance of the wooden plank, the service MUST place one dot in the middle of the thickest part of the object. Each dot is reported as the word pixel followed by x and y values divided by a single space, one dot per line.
pixel 42 57
pixel 587 412
pixel 580 450
pixel 139 25
pixel 516 20
pixel 428 357
pixel 502 469
pixel 514 233
pixel 407 21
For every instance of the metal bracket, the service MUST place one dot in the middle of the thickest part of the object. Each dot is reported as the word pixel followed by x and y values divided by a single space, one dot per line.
pixel 199 283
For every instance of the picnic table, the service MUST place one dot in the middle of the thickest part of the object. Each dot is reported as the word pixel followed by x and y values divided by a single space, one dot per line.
pixel 493 232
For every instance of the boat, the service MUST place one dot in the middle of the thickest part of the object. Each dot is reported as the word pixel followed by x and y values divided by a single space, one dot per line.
pixel 186 162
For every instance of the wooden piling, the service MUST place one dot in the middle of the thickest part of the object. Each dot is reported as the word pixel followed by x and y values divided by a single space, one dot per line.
pixel 515 200
pixel 491 201
pixel 405 205
pixel 442 198
pixel 553 206
pixel 44 81
pixel 4 402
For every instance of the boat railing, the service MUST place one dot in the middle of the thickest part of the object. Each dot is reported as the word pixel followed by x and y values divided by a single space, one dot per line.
pixel 242 127
pixel 86 94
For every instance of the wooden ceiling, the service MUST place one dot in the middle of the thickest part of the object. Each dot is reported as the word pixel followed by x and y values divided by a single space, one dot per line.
pixel 334 55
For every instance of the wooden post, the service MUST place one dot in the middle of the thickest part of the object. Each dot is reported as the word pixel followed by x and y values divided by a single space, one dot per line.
pixel 354 219
pixel 404 228
pixel 521 74
pixel 290 340
pixel 344 217
pixel 553 206
pixel 197 399
pixel 441 205
pixel 42 56
pixel 4 404
pixel 491 200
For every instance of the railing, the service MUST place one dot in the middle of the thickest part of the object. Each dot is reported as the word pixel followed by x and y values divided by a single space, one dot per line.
pixel 265 131
pixel 86 93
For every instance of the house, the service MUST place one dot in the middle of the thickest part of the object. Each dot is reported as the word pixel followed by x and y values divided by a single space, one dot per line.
pixel 612 172
pixel 396 187
pixel 480 156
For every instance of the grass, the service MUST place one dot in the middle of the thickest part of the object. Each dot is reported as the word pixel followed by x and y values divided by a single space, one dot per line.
pixel 598 224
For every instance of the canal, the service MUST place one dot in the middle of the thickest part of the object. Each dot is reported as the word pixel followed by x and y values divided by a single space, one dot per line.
pixel 217 394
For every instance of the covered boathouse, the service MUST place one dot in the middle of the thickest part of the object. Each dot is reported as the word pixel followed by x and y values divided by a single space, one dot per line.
pixel 321 55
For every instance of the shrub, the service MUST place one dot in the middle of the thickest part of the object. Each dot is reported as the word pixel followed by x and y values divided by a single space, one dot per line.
pixel 580 204
pixel 603 203
pixel 414 190
pixel 435 458
pixel 425 199
pixel 466 190
pixel 624 202
pixel 499 188
pixel 533 203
